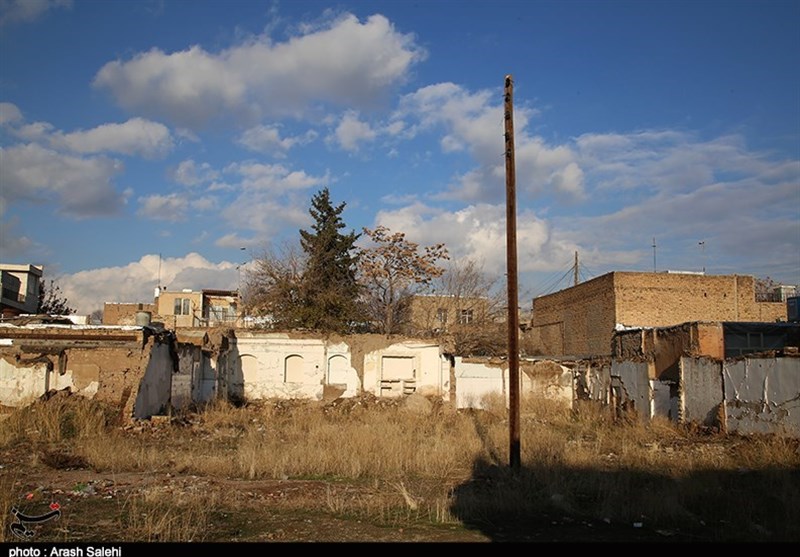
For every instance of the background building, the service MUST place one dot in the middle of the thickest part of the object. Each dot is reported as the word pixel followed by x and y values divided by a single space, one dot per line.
pixel 20 289
pixel 581 320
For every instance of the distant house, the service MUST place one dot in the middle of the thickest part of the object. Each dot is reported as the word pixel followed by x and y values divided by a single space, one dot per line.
pixel 180 309
pixel 581 320
pixel 20 289
pixel 438 314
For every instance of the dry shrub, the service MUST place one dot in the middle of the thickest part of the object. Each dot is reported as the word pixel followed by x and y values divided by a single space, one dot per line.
pixel 55 417
pixel 157 516
pixel 7 490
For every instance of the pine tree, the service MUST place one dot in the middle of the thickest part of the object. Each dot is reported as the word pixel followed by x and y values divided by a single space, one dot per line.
pixel 329 293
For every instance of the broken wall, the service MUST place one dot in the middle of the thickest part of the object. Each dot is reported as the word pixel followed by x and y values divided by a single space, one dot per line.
pixel 592 380
pixel 701 392
pixel 406 367
pixel 478 380
pixel 155 387
pixel 762 395
pixel 630 388
pixel 278 365
pixel 109 364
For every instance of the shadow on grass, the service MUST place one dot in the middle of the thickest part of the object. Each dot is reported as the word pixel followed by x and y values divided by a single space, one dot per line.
pixel 557 504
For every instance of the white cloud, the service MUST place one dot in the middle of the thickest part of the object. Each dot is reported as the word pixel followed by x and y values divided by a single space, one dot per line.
pixel 681 189
pixel 35 132
pixel 235 241
pixel 260 212
pixel 351 131
pixel 473 123
pixel 170 207
pixel 479 232
pixel 82 187
pixel 13 11
pixel 9 113
pixel 268 140
pixel 204 204
pixel 345 62
pixel 189 173
pixel 273 177
pixel 134 137
pixel 135 282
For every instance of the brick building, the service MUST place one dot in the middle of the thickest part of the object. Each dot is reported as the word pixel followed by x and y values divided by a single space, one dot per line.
pixel 581 320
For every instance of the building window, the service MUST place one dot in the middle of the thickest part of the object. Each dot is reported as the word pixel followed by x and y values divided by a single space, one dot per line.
pixel 441 316
pixel 465 317
pixel 182 306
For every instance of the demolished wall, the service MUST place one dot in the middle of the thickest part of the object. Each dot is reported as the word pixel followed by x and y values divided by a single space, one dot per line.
pixel 478 380
pixel 110 364
pixel 762 395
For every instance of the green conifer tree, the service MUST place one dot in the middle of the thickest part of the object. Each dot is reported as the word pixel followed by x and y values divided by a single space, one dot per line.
pixel 330 291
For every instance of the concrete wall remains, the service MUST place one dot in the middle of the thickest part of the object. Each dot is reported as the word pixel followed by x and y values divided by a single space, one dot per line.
pixel 701 392
pixel 762 395
pixel 479 380
pixel 631 389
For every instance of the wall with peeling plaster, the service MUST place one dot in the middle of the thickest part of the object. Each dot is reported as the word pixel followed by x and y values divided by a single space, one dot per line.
pixel 631 389
pixel 155 388
pixel 407 367
pixel 110 364
pixel 478 379
pixel 701 391
pixel 274 365
pixel 762 395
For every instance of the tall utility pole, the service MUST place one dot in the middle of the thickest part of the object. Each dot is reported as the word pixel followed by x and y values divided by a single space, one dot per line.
pixel 511 260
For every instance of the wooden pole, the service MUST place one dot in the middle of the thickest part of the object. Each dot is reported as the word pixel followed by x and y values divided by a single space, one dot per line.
pixel 511 260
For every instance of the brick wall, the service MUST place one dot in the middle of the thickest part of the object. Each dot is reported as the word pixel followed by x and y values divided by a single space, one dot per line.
pixel 664 299
pixel 588 313
pixel 583 316
pixel 124 314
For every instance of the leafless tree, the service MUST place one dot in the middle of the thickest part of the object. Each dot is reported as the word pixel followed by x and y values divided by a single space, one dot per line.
pixel 391 270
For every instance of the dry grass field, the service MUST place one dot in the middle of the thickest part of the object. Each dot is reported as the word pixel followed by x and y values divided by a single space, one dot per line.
pixel 382 470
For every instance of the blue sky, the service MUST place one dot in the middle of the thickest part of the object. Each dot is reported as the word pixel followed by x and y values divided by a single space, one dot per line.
pixel 152 140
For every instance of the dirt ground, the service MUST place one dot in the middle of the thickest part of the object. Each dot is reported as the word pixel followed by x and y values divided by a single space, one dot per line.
pixel 91 505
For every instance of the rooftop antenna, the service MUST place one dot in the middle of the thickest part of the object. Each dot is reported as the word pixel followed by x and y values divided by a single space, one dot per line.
pixel 703 251
pixel 654 254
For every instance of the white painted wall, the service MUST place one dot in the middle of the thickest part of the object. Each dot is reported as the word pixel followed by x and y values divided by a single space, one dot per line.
pixel 265 359
pixel 339 369
pixel 476 380
pixel 406 367
pixel 762 395
pixel 155 388
pixel 21 385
